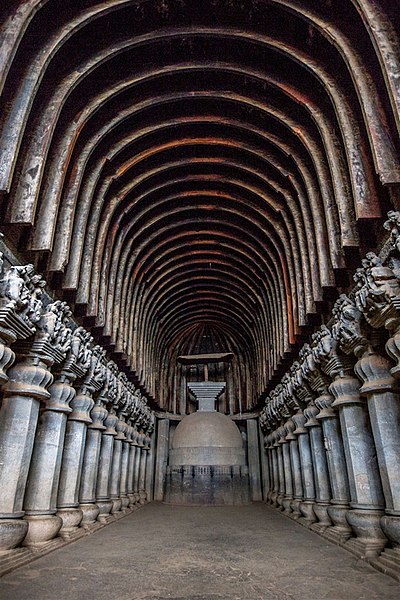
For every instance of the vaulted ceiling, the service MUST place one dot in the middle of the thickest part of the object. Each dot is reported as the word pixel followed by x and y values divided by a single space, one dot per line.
pixel 175 164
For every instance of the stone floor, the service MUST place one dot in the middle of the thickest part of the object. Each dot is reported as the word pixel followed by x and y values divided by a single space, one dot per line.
pixel 210 553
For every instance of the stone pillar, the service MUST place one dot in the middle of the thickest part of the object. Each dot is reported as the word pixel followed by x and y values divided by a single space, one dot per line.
pixel 367 499
pixel 131 468
pixel 364 481
pixel 103 499
pixel 108 397
pixel 123 490
pixel 281 471
pixel 40 502
pixel 275 469
pixel 137 470
pixel 90 466
pixel 341 530
pixel 377 296
pixel 71 464
pixel 253 454
pixel 161 459
pixel 150 464
pixel 320 468
pixel 74 446
pixel 142 470
pixel 307 472
pixel 288 498
pixel 295 469
pixel 26 388
pixel 265 469
pixel 116 469
pixel 381 391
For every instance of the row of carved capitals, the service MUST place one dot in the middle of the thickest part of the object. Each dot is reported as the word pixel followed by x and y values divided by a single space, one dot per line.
pixel 47 332
pixel 358 318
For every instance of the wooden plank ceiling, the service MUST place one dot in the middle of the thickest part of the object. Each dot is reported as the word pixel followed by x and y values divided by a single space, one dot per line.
pixel 175 164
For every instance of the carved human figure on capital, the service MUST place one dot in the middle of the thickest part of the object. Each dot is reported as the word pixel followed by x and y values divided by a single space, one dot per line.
pixel 347 327
pixel 21 290
pixel 54 325
pixel 393 225
pixel 377 292
pixel 80 347
pixel 307 362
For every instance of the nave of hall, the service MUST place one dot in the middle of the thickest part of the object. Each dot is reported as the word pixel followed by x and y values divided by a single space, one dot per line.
pixel 200 299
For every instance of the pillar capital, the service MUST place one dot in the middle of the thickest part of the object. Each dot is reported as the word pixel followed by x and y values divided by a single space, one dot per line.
pixel 310 413
pixel 346 390
pixel 324 404
pixel 299 421
pixel 374 371
pixel 348 327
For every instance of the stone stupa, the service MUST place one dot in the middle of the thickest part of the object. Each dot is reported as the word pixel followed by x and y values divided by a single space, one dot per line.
pixel 207 462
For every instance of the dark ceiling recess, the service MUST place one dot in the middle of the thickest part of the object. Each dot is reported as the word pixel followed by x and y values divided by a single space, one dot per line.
pixel 183 169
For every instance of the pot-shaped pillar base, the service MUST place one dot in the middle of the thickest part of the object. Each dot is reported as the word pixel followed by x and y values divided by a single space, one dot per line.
pixel 116 507
pixel 341 530
pixel 274 499
pixel 132 501
pixel 391 527
pixel 295 506
pixel 287 508
pixel 307 511
pixel 321 512
pixel 370 539
pixel 71 519
pixel 41 529
pixel 90 512
pixel 12 533
pixel 105 507
pixel 125 504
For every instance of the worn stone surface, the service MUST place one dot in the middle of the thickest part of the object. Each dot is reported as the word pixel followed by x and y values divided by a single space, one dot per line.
pixel 206 553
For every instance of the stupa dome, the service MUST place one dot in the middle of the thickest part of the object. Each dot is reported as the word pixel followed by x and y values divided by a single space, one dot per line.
pixel 207 438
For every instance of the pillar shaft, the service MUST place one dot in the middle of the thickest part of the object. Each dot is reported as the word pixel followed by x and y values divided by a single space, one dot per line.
pixel 116 475
pixel 131 474
pixel 137 472
pixel 91 462
pixel 264 462
pixel 161 459
pixel 124 475
pixel 336 467
pixel 253 453
pixel 281 475
pixel 142 475
pixel 288 478
pixel 275 470
pixel 150 465
pixel 72 461
pixel 320 467
pixel 104 472
pixel 307 472
pixel 297 477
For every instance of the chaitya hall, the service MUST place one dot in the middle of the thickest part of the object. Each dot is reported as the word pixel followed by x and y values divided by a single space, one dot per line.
pixel 200 299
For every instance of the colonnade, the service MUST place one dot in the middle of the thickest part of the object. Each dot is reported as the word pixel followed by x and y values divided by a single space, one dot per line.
pixel 332 425
pixel 75 434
